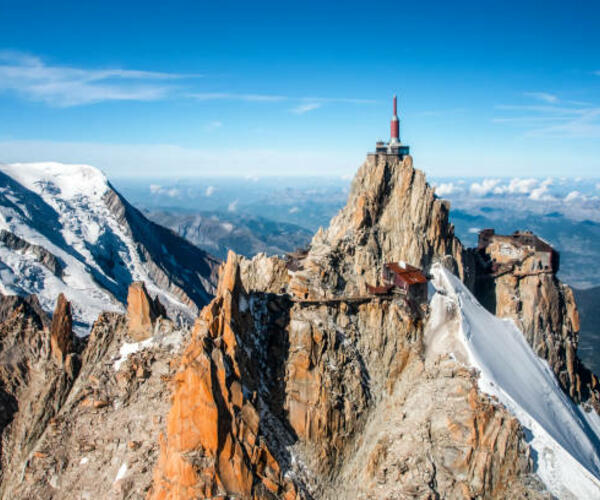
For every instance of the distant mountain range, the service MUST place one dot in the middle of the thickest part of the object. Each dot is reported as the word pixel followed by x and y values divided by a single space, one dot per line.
pixel 246 235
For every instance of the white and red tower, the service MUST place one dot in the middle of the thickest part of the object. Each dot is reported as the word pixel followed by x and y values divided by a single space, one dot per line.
pixel 394 147
pixel 395 125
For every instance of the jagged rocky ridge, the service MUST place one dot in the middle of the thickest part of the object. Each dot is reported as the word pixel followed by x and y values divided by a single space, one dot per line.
pixel 293 382
pixel 82 418
pixel 360 409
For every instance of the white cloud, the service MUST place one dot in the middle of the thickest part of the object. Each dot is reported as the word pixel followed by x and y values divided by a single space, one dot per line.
pixel 213 125
pixel 598 186
pixel 305 108
pixel 232 207
pixel 229 96
pixel 541 192
pixel 64 86
pixel 306 103
pixel 446 189
pixel 517 185
pixel 572 196
pixel 209 190
pixel 294 210
pixel 542 96
pixel 485 187
pixel 67 86
pixel 158 189
pixel 474 230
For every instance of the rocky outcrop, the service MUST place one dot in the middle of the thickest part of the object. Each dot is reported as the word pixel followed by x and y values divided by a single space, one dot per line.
pixel 96 436
pixel 221 439
pixel 142 312
pixel 36 374
pixel 544 309
pixel 392 215
pixel 61 330
pixel 295 382
pixel 43 256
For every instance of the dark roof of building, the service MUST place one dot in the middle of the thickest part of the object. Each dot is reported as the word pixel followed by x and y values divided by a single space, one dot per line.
pixel 528 238
pixel 518 238
pixel 379 290
pixel 407 273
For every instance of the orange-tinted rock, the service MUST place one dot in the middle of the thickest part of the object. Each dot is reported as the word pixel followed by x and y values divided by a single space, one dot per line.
pixel 61 330
pixel 142 312
pixel 211 447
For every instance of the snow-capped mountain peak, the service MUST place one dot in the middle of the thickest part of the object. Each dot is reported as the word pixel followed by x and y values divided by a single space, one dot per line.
pixel 63 228
pixel 62 181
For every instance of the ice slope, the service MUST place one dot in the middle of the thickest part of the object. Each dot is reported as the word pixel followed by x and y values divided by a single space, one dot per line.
pixel 564 439
pixel 66 210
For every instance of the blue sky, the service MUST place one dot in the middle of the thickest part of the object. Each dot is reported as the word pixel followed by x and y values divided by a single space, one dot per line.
pixel 260 88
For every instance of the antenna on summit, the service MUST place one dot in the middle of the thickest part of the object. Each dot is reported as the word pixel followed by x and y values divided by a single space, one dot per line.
pixel 394 147
pixel 395 124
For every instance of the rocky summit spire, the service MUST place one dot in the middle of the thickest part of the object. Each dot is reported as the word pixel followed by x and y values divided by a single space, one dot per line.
pixel 142 312
pixel 392 215
pixel 61 330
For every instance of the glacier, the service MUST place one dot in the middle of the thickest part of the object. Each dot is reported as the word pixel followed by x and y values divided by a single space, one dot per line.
pixel 70 215
pixel 563 437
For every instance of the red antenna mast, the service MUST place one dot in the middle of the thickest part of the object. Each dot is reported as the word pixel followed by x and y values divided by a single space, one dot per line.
pixel 395 124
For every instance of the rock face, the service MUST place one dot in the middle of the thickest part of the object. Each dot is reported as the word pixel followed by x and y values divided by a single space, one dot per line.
pixel 92 435
pixel 61 330
pixel 36 374
pixel 544 309
pixel 142 312
pixel 43 256
pixel 217 442
pixel 295 384
pixel 392 215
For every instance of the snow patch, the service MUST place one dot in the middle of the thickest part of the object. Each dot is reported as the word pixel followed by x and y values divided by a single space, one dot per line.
pixel 121 473
pixel 173 340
